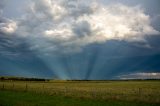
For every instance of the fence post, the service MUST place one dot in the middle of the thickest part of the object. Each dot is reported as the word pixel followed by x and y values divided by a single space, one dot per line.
pixel 65 90
pixel 26 87
pixel 43 86
pixel 3 86
pixel 139 91
pixel 13 86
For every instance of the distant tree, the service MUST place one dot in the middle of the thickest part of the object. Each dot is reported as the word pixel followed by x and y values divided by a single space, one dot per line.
pixel 2 78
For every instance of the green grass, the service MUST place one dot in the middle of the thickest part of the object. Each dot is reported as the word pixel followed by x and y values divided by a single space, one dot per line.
pixel 121 92
pixel 14 98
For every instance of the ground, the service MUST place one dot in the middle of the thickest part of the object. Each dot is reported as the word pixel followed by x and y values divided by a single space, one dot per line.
pixel 80 93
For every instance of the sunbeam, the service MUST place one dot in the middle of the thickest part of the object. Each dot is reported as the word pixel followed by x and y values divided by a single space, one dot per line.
pixel 78 39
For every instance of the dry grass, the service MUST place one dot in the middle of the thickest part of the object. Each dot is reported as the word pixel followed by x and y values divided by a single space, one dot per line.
pixel 140 91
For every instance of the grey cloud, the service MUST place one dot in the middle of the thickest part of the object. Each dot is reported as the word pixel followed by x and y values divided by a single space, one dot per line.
pixel 41 9
pixel 82 29
pixel 2 3
pixel 80 24
pixel 11 46
pixel 78 8
pixel 104 39
pixel 155 22
pixel 50 26
pixel 153 41
pixel 7 26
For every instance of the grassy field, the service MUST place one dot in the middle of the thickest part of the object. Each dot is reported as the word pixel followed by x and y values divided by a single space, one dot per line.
pixel 14 98
pixel 117 93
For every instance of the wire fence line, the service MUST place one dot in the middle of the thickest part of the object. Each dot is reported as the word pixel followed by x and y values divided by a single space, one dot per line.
pixel 131 93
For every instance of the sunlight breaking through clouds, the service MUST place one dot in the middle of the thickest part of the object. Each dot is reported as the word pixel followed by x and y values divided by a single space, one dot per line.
pixel 78 39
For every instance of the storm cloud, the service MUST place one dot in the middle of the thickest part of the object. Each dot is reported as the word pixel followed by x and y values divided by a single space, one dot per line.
pixel 71 25
pixel 90 37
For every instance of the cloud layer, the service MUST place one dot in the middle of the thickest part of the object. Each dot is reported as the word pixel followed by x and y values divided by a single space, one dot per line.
pixel 141 75
pixel 50 25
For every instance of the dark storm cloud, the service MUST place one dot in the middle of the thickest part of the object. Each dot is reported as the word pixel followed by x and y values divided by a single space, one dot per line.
pixel 11 46
pixel 153 41
pixel 32 66
pixel 118 58
pixel 79 40
pixel 69 26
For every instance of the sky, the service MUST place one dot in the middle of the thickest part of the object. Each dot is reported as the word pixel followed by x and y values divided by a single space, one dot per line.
pixel 79 39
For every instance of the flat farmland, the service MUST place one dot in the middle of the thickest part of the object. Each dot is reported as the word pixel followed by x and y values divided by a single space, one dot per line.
pixel 134 92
